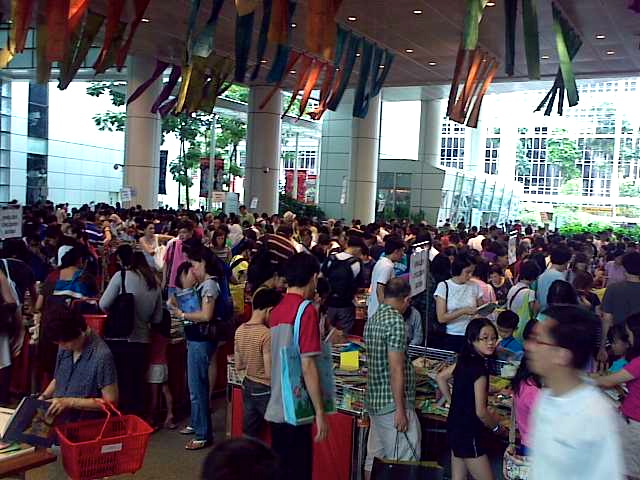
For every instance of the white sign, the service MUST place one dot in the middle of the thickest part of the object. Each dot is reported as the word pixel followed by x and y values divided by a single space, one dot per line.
pixel 343 194
pixel 381 204
pixel 126 194
pixel 218 197
pixel 254 203
pixel 418 272
pixel 511 250
pixel 11 222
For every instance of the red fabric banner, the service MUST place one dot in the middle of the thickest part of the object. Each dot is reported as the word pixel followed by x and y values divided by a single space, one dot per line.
pixel 114 12
pixel 321 32
pixel 77 9
pixel 22 11
pixel 57 12
pixel 141 7
pixel 279 25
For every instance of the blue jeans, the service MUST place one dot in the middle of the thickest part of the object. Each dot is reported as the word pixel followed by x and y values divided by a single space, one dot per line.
pixel 198 357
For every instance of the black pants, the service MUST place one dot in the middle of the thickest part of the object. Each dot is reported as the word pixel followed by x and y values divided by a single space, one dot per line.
pixel 294 447
pixel 256 398
pixel 132 362
pixel 5 383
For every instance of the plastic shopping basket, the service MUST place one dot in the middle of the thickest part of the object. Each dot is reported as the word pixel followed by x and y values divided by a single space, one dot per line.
pixel 96 323
pixel 104 448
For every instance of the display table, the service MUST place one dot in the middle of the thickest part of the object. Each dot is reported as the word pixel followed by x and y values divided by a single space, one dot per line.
pixel 21 464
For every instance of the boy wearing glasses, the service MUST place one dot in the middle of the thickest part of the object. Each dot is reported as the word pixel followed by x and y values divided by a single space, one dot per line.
pixel 574 431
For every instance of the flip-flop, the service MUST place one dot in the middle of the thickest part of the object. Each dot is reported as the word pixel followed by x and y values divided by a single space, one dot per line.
pixel 197 444
pixel 188 430
pixel 170 425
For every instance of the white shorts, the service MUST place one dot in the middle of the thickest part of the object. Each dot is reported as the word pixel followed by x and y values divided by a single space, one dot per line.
pixel 630 436
pixel 158 374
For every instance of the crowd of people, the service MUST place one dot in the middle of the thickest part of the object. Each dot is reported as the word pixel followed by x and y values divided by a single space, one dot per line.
pixel 568 308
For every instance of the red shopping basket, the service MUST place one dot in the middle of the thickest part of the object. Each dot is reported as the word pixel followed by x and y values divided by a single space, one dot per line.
pixel 96 323
pixel 104 448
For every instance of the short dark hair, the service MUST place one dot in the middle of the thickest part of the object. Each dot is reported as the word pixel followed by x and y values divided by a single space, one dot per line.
pixel 560 255
pixel 631 263
pixel 265 298
pixel 529 270
pixel 285 231
pixel 508 319
pixel 63 324
pixel 183 268
pixel 397 288
pixel 576 329
pixel 392 243
pixel 300 269
pixel 459 264
pixel 241 458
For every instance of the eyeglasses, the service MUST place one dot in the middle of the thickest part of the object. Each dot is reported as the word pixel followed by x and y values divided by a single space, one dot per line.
pixel 488 339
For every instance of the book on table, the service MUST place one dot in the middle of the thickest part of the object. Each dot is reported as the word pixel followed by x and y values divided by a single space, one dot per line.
pixel 28 423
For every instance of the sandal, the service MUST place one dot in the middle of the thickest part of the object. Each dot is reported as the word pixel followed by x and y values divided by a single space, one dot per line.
pixel 188 430
pixel 170 425
pixel 197 444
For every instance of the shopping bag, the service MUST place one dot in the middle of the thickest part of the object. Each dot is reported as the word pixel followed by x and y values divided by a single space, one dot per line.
pixel 297 405
pixel 385 469
pixel 514 466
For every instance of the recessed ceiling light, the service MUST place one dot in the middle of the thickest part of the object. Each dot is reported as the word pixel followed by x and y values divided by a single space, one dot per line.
pixel 545 57
pixel 381 66
pixel 263 61
pixel 352 18
pixel 417 12
pixel 433 64
pixel 145 20
pixel 611 52
pixel 358 54
pixel 292 72
pixel 294 25
pixel 491 4
pixel 601 36
pixel 409 50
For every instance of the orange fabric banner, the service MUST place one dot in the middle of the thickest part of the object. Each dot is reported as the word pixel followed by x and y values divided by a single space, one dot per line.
pixel 57 29
pixel 141 7
pixel 279 25
pixel 77 9
pixel 22 11
pixel 321 31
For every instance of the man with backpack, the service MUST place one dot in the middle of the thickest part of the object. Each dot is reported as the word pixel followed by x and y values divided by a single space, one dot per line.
pixel 342 270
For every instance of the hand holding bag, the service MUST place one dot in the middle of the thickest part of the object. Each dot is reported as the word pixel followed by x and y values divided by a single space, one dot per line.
pixel 384 469
pixel 514 466
pixel 297 405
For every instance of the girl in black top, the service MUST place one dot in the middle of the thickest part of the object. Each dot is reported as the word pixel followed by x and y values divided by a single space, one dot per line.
pixel 469 418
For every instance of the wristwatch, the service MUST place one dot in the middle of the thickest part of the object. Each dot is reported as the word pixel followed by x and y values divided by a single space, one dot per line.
pixel 496 429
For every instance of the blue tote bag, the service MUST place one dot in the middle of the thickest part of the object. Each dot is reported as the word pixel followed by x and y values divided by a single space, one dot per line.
pixel 298 408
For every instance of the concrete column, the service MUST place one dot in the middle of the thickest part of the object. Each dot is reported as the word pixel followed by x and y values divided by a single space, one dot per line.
pixel 363 178
pixel 262 171
pixel 143 135
pixel 475 152
pixel 431 115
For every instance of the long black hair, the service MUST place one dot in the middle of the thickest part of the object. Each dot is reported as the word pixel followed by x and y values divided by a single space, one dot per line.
pixel 633 324
pixel 524 374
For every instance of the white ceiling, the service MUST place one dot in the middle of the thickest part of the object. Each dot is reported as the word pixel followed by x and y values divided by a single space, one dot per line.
pixel 434 35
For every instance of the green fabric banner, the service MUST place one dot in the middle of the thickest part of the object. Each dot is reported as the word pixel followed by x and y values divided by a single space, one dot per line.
pixel 531 37
pixel 510 16
pixel 472 23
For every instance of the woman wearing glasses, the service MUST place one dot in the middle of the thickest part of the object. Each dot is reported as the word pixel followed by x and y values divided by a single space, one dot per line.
pixel 470 420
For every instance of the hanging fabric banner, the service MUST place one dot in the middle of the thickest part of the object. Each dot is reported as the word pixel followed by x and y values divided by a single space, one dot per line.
pixel 370 59
pixel 475 113
pixel 293 59
pixel 383 73
pixel 320 32
pixel 303 74
pixel 531 38
pixel 472 20
pixel 219 83
pixel 140 8
pixel 114 12
pixel 77 11
pixel 345 72
pixel 568 43
pixel 262 37
pixel 21 13
pixel 342 36
pixel 79 48
pixel 112 52
pixel 167 107
pixel 43 68
pixel 278 71
pixel 244 31
pixel 510 17
pixel 311 83
pixel 161 66
pixel 204 43
pixel 191 25
pixel 280 23
pixel 174 77
pixel 57 29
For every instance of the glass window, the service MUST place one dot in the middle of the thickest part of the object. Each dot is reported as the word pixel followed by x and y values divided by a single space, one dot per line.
pixel 38 110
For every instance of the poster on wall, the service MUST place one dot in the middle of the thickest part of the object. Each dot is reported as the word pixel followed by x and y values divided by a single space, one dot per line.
pixel 162 181
pixel 10 221
pixel 204 177
pixel 418 272
pixel 511 250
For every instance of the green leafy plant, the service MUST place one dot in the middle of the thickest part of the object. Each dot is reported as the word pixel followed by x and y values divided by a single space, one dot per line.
pixel 288 204
pixel 523 163
pixel 563 153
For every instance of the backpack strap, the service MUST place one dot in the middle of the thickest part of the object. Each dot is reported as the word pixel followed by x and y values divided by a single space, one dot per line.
pixel 123 288
pixel 515 295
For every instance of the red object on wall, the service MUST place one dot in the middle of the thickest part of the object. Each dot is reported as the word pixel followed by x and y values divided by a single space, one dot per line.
pixel 303 177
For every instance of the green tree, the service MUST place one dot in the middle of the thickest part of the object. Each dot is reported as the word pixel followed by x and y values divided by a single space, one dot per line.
pixel 523 163
pixel 563 153
pixel 629 188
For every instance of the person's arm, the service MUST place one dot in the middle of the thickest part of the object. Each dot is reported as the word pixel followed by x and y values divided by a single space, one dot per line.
pixel 445 316
pixel 203 316
pixel 60 404
pixel 111 292
pixel 607 321
pixel 48 392
pixel 380 292
pixel 482 404
pixel 396 372
pixel 238 358
pixel 312 382
pixel 443 379
pixel 610 381
pixel 266 355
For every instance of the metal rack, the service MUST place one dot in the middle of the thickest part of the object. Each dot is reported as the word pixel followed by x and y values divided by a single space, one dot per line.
pixel 496 367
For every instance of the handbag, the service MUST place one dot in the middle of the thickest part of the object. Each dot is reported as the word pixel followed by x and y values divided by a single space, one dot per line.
pixel 514 466
pixel 405 470
pixel 297 405
pixel 158 258
pixel 121 315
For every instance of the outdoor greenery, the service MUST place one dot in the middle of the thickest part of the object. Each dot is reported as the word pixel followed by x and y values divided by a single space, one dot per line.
pixel 569 229
pixel 288 204
pixel 563 153
pixel 523 163
pixel 629 188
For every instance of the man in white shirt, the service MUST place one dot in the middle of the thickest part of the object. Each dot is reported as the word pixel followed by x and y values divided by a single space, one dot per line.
pixel 394 249
pixel 574 426
pixel 475 243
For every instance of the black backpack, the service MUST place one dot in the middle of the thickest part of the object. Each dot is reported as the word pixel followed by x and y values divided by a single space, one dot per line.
pixel 121 315
pixel 340 276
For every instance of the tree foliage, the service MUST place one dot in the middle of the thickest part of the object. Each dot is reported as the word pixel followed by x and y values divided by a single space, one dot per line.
pixel 563 153
pixel 523 163
pixel 629 188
